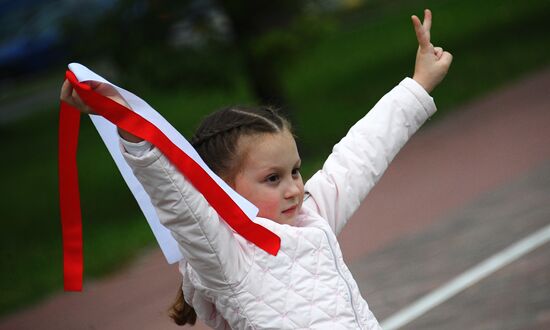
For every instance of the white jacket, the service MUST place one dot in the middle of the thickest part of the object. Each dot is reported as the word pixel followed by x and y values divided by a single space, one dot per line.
pixel 232 283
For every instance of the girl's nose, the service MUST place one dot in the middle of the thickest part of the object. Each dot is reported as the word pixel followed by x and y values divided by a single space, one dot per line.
pixel 293 189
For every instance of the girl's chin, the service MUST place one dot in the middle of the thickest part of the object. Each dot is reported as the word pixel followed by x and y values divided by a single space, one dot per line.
pixel 288 217
pixel 286 220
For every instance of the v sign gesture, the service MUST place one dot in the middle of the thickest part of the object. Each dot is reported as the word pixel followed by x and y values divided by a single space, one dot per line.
pixel 432 63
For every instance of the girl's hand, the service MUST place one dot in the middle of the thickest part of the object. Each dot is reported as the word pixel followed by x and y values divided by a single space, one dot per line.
pixel 432 63
pixel 69 95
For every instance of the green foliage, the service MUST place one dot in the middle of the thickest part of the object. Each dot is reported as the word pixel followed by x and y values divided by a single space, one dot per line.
pixel 174 69
pixel 282 45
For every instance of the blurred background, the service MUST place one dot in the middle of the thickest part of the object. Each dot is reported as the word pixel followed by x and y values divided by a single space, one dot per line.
pixel 323 62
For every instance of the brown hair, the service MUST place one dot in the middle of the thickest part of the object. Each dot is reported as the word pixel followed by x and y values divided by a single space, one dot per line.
pixel 216 140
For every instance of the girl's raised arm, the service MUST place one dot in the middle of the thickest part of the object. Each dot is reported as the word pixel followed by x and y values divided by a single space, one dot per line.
pixel 361 157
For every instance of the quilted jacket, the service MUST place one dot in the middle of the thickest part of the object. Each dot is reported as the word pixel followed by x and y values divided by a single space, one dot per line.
pixel 233 284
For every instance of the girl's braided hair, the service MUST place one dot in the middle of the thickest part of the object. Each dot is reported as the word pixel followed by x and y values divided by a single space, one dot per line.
pixel 216 141
pixel 217 136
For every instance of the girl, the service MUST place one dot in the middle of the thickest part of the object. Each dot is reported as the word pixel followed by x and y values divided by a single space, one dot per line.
pixel 232 283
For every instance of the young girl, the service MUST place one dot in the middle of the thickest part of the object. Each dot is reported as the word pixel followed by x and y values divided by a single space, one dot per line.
pixel 231 283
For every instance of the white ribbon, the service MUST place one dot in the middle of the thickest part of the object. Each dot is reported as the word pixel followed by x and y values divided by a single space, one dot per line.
pixel 109 134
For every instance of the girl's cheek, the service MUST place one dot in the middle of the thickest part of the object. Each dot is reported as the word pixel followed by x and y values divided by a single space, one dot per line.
pixel 268 209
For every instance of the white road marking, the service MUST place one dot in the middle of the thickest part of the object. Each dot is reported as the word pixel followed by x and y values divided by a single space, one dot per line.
pixel 467 279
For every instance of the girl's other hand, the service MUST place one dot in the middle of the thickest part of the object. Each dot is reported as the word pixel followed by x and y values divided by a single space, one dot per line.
pixel 432 63
pixel 70 96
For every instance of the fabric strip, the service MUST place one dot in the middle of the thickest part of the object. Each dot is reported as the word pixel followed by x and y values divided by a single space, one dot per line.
pixel 69 197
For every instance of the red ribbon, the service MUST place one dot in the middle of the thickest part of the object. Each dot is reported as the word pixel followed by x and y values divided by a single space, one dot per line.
pixel 69 197
pixel 131 122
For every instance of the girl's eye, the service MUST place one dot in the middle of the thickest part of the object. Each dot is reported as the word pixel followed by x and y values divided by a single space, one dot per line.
pixel 274 178
pixel 296 172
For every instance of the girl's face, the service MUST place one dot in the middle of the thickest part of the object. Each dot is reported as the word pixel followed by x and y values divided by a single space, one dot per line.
pixel 269 175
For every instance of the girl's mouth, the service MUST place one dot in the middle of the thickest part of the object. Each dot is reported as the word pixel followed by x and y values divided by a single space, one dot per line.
pixel 290 210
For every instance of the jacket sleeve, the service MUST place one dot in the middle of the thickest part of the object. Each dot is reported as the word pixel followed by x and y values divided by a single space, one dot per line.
pixel 358 161
pixel 205 240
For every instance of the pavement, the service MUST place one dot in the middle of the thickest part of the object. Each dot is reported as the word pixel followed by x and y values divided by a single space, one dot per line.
pixel 465 189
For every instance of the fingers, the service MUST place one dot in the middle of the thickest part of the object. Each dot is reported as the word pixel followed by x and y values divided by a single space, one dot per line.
pixel 94 84
pixel 427 19
pixel 66 90
pixel 77 100
pixel 69 95
pixel 438 51
pixel 422 34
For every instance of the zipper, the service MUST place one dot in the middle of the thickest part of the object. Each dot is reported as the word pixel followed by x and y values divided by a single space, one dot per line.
pixel 344 279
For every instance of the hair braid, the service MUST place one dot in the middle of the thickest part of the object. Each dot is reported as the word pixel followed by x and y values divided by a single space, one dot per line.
pixel 216 138
pixel 219 128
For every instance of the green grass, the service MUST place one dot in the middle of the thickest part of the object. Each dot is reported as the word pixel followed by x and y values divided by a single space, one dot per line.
pixel 330 86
